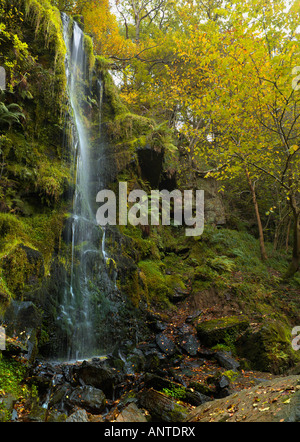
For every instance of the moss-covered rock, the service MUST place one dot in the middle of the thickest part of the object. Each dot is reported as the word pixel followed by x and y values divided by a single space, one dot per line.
pixel 23 269
pixel 268 347
pixel 222 330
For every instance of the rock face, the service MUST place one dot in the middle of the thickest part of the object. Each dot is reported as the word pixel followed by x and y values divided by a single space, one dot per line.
pixel 23 320
pixel 271 401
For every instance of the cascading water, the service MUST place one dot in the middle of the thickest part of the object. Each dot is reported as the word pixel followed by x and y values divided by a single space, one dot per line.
pixel 84 302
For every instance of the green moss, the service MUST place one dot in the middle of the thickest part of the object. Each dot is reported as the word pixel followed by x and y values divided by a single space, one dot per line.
pixel 269 348
pixel 113 104
pixel 222 330
pixel 156 284
pixel 12 373
pixel 231 375
pixel 175 392
pixel 89 50
pixel 47 20
pixel 102 63
pixel 52 181
pixel 127 126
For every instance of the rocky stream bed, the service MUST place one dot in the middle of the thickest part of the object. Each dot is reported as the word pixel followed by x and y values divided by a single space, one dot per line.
pixel 170 378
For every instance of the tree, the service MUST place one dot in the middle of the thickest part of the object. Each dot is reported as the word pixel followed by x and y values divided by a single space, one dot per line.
pixel 101 23
pixel 139 11
pixel 231 80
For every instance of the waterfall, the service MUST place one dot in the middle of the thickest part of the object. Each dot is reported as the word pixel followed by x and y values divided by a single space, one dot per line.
pixel 84 306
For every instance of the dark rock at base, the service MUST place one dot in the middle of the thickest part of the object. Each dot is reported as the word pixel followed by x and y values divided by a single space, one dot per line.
pixel 87 397
pixel 192 317
pixel 99 375
pixel 226 361
pixel 190 344
pixel 23 321
pixel 165 344
pixel 162 407
pixel 224 382
pixel 186 394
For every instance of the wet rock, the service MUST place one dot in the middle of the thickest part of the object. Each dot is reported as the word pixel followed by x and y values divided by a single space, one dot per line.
pixel 135 362
pixel 196 363
pixel 159 326
pixel 98 374
pixel 186 394
pixel 155 322
pixel 162 407
pixel 59 397
pixel 226 361
pixel 87 397
pixel 178 295
pixel 154 359
pixel 165 344
pixel 41 375
pixel 189 343
pixel 37 414
pixel 206 353
pixel 23 321
pixel 224 382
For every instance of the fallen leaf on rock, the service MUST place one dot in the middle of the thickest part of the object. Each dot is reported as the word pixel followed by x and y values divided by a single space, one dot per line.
pixel 264 409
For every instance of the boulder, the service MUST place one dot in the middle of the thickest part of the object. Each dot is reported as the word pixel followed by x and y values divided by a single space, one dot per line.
pixel 87 397
pixel 186 394
pixel 131 414
pixel 99 375
pixel 222 330
pixel 162 408
pixel 165 344
pixel 226 361
pixel 79 415
pixel 189 343
pixel 268 347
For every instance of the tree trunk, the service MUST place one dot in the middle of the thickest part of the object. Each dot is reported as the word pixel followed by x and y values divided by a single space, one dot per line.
pixel 295 264
pixel 259 224
pixel 137 29
pixel 288 235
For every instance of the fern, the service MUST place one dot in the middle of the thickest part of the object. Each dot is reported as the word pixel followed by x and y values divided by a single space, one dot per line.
pixel 10 114
pixel 222 263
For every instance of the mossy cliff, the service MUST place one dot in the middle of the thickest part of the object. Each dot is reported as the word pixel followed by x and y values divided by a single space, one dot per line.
pixel 35 166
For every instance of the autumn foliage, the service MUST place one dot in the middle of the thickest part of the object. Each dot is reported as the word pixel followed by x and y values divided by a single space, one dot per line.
pixel 101 23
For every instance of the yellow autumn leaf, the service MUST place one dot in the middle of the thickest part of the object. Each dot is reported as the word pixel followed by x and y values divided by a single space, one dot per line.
pixel 294 148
